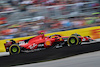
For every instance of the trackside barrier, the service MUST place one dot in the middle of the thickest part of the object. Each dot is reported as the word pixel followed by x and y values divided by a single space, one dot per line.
pixel 93 32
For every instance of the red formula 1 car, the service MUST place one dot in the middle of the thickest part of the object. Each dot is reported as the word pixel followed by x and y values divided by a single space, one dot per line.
pixel 41 42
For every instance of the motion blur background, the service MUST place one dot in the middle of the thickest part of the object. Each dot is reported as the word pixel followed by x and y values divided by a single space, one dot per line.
pixel 19 18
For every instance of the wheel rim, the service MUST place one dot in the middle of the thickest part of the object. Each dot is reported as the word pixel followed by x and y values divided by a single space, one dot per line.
pixel 14 49
pixel 72 41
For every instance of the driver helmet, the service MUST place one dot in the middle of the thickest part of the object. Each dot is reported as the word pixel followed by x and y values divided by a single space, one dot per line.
pixel 41 33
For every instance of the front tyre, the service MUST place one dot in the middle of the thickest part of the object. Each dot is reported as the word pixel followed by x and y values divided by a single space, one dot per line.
pixel 73 40
pixel 14 49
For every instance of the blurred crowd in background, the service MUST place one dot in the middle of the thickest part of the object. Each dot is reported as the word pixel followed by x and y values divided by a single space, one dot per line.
pixel 20 18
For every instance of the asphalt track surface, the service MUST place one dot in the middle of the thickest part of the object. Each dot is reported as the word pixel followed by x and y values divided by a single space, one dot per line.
pixel 83 60
pixel 48 54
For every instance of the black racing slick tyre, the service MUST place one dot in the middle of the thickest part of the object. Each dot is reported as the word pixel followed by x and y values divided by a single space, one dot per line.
pixel 73 40
pixel 14 49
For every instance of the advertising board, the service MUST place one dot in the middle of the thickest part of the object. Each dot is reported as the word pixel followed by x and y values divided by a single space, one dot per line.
pixel 93 32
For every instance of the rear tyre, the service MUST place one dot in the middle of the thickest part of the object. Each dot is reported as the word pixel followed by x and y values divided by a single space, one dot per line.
pixel 14 49
pixel 73 40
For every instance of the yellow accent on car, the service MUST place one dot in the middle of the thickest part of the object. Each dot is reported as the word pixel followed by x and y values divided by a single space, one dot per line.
pixel 48 43
pixel 60 39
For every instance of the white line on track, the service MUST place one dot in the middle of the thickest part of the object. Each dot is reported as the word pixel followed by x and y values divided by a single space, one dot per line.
pixel 4 53
pixel 84 60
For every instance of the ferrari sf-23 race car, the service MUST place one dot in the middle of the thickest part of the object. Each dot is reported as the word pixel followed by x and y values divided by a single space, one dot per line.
pixel 43 42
